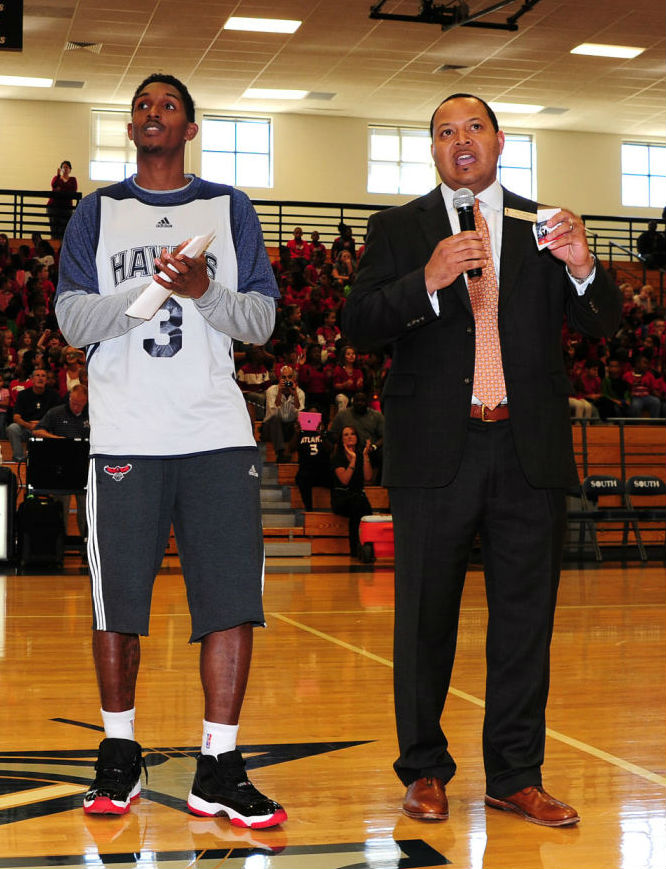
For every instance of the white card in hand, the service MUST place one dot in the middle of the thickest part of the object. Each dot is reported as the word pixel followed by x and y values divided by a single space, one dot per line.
pixel 540 229
pixel 154 296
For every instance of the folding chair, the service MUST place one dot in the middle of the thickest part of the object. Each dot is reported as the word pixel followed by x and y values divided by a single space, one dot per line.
pixel 650 506
pixel 595 492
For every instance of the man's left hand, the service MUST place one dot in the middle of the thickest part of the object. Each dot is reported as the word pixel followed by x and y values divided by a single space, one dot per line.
pixel 570 243
pixel 190 278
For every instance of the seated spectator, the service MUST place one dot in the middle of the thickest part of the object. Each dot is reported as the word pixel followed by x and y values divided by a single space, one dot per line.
pixel 345 241
pixel 315 380
pixel 6 294
pixel 647 298
pixel 316 245
pixel 344 269
pixel 5 252
pixel 375 368
pixel 615 392
pixel 333 298
pixel 283 402
pixel 590 383
pixel 328 335
pixel 4 406
pixel 254 379
pixel 352 470
pixel 347 378
pixel 27 340
pixel 651 245
pixel 44 253
pixel 297 290
pixel 69 420
pixel 368 423
pixel 314 467
pixel 312 310
pixel 643 388
pixel 31 405
pixel 22 379
pixel 8 344
pixel 44 283
pixel 298 249
pixel 628 299
pixel 314 267
pixel 282 265
pixel 70 374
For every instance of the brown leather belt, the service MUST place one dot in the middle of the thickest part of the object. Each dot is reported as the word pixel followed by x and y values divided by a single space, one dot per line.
pixel 480 411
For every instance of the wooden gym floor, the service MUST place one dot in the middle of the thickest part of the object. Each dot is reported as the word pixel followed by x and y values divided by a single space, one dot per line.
pixel 317 726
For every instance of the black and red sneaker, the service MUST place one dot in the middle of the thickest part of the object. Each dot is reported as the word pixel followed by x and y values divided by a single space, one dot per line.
pixel 118 779
pixel 221 787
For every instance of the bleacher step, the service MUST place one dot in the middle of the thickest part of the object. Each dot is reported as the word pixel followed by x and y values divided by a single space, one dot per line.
pixel 279 520
pixel 292 548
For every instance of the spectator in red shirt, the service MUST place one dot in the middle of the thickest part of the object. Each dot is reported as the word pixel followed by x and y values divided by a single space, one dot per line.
pixel 315 380
pixel 316 245
pixel 327 335
pixel 298 248
pixel 643 387
pixel 347 378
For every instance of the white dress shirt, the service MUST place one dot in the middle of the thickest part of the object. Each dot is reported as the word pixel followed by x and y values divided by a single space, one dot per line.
pixel 491 204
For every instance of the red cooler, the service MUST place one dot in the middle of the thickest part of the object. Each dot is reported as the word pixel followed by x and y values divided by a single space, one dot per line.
pixel 376 537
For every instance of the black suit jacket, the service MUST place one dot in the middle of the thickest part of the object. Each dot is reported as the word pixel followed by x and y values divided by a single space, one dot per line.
pixel 428 391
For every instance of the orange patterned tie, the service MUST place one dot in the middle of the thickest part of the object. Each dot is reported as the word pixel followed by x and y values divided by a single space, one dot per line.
pixel 489 385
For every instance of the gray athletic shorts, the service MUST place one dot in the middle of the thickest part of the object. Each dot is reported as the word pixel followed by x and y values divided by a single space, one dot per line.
pixel 213 502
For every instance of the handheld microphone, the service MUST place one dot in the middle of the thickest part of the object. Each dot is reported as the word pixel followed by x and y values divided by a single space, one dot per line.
pixel 463 202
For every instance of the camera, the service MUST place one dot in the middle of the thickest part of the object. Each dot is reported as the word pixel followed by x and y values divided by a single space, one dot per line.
pixel 289 383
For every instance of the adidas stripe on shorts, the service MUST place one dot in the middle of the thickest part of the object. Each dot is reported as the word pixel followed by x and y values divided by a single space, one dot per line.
pixel 213 501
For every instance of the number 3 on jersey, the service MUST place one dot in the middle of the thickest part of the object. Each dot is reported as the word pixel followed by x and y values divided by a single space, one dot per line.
pixel 169 328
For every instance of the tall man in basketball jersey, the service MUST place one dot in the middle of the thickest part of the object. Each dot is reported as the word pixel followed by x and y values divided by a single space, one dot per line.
pixel 477 439
pixel 170 439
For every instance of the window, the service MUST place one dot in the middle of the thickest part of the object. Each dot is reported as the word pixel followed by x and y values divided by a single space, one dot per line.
pixel 400 161
pixel 112 155
pixel 644 175
pixel 517 165
pixel 237 151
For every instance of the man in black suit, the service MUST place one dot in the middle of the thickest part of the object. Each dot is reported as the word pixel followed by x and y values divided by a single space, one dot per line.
pixel 458 463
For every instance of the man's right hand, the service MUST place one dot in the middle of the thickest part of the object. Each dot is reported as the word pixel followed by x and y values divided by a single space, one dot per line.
pixel 453 256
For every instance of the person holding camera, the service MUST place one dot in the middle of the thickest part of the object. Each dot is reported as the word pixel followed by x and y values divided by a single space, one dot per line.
pixel 283 401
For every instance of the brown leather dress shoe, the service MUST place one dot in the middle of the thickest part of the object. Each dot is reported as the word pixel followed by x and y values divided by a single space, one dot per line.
pixel 426 800
pixel 535 805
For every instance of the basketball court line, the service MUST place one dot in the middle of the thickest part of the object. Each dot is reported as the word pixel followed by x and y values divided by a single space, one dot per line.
pixel 598 753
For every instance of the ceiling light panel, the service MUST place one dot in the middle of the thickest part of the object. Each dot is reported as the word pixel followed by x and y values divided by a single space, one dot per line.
pixel 515 108
pixel 597 49
pixel 262 25
pixel 25 81
pixel 274 94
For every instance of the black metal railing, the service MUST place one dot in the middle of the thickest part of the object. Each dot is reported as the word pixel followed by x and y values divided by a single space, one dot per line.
pixel 23 212
pixel 279 218
pixel 621 231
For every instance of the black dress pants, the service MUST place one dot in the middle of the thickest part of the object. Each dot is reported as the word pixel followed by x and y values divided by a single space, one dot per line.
pixel 522 531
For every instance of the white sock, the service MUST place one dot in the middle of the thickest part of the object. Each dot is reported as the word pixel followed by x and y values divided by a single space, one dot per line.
pixel 119 725
pixel 218 738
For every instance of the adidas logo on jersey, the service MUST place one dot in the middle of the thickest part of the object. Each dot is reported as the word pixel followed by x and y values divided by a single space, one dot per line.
pixel 253 472
pixel 164 223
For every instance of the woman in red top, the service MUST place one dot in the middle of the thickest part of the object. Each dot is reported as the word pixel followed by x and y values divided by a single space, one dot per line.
pixel 347 378
pixel 60 206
